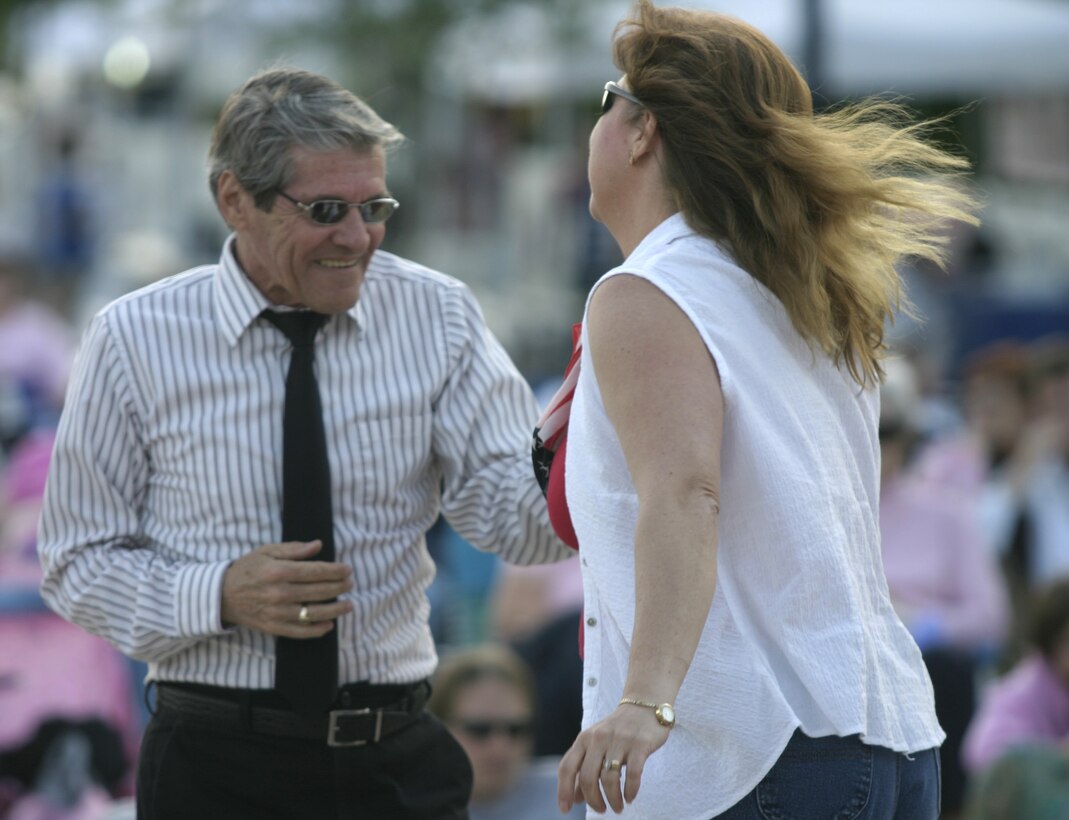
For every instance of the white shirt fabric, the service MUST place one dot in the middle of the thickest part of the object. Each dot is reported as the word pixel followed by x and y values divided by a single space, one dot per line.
pixel 168 467
pixel 801 632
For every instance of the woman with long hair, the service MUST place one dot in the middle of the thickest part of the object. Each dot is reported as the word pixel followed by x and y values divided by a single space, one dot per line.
pixel 742 657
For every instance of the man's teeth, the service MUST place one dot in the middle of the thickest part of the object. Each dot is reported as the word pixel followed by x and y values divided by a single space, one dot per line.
pixel 337 263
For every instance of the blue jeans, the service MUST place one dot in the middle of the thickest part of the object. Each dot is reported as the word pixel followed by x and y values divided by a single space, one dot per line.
pixel 841 778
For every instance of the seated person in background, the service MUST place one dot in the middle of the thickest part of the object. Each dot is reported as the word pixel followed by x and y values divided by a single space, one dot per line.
pixel 69 727
pixel 486 696
pixel 1027 783
pixel 1029 705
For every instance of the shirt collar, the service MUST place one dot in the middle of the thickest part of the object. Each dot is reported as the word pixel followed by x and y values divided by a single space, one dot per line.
pixel 238 302
pixel 673 228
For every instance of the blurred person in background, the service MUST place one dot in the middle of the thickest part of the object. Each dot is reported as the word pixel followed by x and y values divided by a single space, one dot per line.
pixel 36 352
pixel 1029 782
pixel 722 463
pixel 67 741
pixel 939 407
pixel 1047 495
pixel 523 600
pixel 538 610
pixel 1011 462
pixel 460 593
pixel 65 236
pixel 486 696
pixel 290 662
pixel 945 584
pixel 982 458
pixel 1030 704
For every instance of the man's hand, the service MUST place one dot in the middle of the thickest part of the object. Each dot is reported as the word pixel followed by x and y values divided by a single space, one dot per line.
pixel 267 588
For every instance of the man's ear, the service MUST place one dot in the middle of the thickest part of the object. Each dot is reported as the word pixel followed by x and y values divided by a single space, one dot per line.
pixel 232 200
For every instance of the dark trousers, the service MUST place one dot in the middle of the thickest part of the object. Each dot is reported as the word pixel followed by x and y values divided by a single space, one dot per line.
pixel 953 677
pixel 190 770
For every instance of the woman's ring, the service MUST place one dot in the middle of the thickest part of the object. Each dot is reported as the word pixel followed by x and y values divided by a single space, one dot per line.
pixel 612 765
pixel 302 616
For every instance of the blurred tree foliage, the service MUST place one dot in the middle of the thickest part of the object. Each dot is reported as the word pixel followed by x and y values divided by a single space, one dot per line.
pixel 8 10
pixel 388 43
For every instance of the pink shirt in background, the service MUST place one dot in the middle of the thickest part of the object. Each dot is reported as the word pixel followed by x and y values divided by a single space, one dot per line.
pixel 957 462
pixel 49 668
pixel 1029 705
pixel 944 582
pixel 36 346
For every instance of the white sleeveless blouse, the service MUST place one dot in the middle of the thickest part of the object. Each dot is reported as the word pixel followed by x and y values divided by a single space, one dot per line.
pixel 801 632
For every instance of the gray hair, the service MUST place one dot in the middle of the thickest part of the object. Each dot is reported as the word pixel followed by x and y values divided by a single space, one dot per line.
pixel 281 108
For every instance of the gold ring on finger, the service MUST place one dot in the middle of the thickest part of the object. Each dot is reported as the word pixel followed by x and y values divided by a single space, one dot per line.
pixel 302 616
pixel 612 765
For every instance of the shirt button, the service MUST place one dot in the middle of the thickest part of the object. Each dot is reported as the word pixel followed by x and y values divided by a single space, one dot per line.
pixel 591 621
pixel 585 564
pixel 591 681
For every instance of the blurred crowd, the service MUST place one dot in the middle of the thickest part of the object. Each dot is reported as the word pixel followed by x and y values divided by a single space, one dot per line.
pixel 975 524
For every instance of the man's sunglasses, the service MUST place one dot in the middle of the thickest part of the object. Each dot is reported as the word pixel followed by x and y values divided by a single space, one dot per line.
pixel 611 92
pixel 483 729
pixel 333 211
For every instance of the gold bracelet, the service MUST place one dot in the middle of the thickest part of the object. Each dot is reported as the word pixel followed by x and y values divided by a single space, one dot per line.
pixel 664 712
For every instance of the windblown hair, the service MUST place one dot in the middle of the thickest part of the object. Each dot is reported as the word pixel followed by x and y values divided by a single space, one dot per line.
pixel 281 108
pixel 818 207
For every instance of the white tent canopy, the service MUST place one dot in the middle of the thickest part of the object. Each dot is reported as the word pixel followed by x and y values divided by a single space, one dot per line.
pixel 962 47
pixel 950 48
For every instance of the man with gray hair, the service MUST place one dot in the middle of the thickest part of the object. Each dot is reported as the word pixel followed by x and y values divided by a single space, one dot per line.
pixel 248 462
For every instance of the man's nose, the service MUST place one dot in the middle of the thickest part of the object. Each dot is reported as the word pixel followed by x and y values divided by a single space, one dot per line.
pixel 352 231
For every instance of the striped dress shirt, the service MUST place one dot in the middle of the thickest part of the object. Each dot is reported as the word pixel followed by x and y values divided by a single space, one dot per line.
pixel 168 466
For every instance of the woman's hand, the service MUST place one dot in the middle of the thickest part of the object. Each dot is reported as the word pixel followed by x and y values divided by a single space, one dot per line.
pixel 629 735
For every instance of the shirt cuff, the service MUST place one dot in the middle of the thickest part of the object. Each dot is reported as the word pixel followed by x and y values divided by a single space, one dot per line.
pixel 199 597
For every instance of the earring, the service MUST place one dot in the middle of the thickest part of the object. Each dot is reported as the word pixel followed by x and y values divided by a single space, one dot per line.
pixel 631 158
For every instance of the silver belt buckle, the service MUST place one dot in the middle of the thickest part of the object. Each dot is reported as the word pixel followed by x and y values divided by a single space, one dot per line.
pixel 342 713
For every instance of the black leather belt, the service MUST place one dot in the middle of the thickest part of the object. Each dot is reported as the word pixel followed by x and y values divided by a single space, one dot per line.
pixel 339 727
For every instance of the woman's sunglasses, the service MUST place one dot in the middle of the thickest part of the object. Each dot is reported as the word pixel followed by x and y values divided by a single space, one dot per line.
pixel 483 729
pixel 333 211
pixel 611 92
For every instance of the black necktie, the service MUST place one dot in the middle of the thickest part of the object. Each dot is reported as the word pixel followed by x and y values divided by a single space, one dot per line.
pixel 306 670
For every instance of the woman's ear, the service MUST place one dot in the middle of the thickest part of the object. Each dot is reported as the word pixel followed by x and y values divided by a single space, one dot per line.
pixel 646 136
